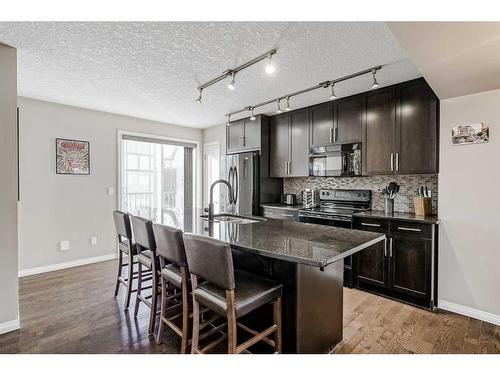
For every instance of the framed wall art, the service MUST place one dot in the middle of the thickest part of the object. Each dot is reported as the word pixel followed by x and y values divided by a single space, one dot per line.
pixel 72 157
pixel 470 134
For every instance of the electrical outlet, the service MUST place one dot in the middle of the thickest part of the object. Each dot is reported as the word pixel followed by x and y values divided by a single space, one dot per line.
pixel 64 245
pixel 110 191
pixel 93 240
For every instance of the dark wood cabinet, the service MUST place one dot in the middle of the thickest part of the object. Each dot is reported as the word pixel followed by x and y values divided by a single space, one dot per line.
pixel 401 130
pixel 246 135
pixel 289 144
pixel 378 131
pixel 402 267
pixel 348 115
pixel 322 124
pixel 417 133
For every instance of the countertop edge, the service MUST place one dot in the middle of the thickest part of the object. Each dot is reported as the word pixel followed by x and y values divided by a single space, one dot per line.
pixel 381 215
pixel 355 250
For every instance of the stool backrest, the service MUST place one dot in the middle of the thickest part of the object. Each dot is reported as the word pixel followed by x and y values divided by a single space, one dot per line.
pixel 143 233
pixel 122 225
pixel 210 259
pixel 169 244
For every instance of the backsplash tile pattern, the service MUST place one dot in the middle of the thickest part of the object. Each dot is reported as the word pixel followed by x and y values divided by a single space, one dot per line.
pixel 402 203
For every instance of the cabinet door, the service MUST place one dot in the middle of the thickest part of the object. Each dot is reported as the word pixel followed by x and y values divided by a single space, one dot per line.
pixel 371 265
pixel 410 266
pixel 252 133
pixel 234 136
pixel 417 128
pixel 348 119
pixel 299 142
pixel 378 131
pixel 278 145
pixel 322 124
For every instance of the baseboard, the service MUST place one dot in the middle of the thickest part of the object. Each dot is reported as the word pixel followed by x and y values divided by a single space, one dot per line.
pixel 9 326
pixel 61 266
pixel 470 312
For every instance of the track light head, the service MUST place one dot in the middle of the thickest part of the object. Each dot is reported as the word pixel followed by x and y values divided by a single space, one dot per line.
pixel 375 83
pixel 230 85
pixel 270 68
pixel 288 104
pixel 333 96
pixel 252 117
pixel 199 98
pixel 279 109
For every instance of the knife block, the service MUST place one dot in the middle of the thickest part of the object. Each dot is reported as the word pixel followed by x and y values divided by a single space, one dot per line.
pixel 423 206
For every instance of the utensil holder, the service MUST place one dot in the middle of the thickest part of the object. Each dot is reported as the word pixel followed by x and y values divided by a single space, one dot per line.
pixel 423 206
pixel 389 206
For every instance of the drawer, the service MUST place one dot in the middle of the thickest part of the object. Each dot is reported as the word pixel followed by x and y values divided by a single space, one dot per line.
pixel 282 214
pixel 370 224
pixel 409 228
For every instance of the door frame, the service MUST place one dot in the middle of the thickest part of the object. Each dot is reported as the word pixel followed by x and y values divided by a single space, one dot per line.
pixel 197 156
pixel 205 174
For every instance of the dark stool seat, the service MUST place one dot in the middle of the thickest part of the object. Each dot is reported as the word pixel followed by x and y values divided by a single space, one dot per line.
pixel 250 293
pixel 172 273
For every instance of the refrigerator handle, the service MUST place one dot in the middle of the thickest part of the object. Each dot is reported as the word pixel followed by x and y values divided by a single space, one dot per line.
pixel 236 186
pixel 230 180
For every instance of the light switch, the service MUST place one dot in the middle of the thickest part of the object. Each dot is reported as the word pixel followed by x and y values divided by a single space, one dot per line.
pixel 110 191
pixel 64 245
pixel 93 240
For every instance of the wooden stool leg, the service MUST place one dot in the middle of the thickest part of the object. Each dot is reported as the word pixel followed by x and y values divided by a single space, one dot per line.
pixel 196 318
pixel 130 281
pixel 277 321
pixel 231 323
pixel 120 262
pixel 185 311
pixel 163 309
pixel 139 286
pixel 154 299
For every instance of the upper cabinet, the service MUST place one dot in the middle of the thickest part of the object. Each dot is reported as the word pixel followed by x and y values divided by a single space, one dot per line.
pixel 289 144
pixel 322 124
pixel 401 130
pixel 246 135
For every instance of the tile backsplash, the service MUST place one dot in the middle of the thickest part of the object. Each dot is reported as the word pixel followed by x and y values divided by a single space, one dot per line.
pixel 403 201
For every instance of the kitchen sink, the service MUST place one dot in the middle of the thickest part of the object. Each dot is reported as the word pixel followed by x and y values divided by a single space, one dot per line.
pixel 237 219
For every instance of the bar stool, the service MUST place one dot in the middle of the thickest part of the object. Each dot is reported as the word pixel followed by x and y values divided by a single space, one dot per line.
pixel 126 247
pixel 147 258
pixel 228 293
pixel 174 273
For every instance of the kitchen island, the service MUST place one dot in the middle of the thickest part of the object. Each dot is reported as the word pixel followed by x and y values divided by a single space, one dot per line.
pixel 307 259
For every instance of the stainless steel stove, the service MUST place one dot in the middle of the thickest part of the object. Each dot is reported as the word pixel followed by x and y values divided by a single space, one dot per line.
pixel 336 207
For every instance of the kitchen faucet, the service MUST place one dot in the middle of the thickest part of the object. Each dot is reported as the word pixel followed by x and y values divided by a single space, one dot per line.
pixel 211 204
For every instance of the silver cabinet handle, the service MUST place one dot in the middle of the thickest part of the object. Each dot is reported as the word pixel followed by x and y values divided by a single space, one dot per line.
pixel 331 135
pixel 410 229
pixel 397 161
pixel 392 162
pixel 289 167
pixel 287 215
pixel 285 164
pixel 385 246
pixel 390 247
pixel 335 135
pixel 371 225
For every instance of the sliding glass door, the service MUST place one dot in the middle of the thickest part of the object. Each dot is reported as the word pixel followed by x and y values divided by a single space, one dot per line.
pixel 157 180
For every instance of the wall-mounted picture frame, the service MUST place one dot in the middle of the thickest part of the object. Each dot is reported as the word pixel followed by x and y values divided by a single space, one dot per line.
pixel 470 134
pixel 72 157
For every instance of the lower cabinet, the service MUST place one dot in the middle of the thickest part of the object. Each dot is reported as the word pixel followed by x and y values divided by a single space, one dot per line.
pixel 403 266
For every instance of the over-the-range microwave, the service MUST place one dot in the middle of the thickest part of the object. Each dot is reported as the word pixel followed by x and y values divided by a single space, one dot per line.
pixel 335 160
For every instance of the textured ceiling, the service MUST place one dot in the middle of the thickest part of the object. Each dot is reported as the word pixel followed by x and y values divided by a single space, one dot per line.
pixel 152 70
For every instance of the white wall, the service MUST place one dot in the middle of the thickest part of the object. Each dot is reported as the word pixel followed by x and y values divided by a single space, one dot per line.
pixel 8 191
pixel 215 134
pixel 63 207
pixel 469 207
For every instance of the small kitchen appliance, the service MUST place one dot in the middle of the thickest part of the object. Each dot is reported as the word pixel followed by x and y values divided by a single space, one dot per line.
pixel 336 160
pixel 289 199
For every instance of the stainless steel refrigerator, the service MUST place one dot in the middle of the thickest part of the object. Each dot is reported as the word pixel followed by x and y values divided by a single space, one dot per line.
pixel 248 174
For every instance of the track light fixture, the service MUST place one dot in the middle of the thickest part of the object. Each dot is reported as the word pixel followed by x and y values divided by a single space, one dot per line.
pixel 270 68
pixel 199 98
pixel 230 85
pixel 252 118
pixel 375 83
pixel 279 109
pixel 321 85
pixel 333 96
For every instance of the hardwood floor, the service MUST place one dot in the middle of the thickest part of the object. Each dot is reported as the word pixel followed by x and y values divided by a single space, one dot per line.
pixel 73 311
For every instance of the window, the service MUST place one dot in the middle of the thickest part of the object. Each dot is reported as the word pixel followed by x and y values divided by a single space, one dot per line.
pixel 157 180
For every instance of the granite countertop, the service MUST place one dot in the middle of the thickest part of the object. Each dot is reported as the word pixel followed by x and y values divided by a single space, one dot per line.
pixel 283 206
pixel 311 244
pixel 398 216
